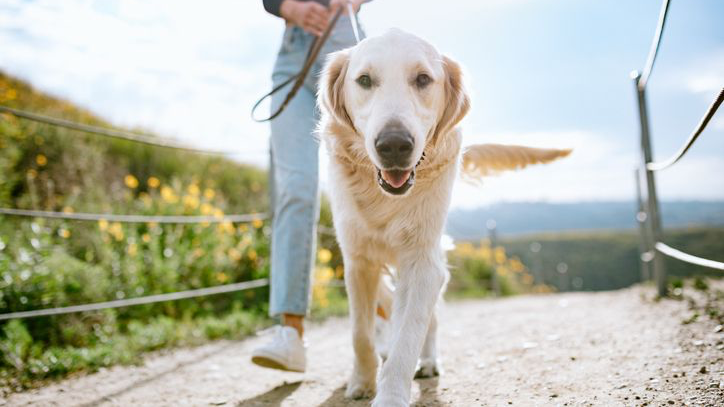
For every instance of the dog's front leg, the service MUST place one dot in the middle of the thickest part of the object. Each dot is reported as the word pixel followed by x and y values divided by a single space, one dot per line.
pixel 429 365
pixel 420 280
pixel 362 279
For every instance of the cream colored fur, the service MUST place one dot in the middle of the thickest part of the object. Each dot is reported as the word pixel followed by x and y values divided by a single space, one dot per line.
pixel 377 230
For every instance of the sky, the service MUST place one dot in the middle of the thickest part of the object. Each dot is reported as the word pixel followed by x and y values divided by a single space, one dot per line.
pixel 546 73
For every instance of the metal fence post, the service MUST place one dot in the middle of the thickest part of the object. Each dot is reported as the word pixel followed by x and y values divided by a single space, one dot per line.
pixel 652 203
pixel 493 236
pixel 646 246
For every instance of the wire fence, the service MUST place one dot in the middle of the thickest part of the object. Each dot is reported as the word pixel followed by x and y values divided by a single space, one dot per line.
pixel 118 134
pixel 150 299
pixel 649 216
pixel 172 219
pixel 133 218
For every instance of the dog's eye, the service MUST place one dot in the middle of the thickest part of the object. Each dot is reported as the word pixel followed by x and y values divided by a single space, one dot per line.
pixel 365 81
pixel 422 80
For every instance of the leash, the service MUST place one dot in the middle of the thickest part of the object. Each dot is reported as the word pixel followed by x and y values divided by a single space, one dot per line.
pixel 299 77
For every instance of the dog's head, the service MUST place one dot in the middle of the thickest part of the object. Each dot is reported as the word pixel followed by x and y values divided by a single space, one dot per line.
pixel 397 95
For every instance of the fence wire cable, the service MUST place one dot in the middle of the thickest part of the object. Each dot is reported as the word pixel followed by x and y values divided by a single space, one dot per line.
pixel 179 295
pixel 688 258
pixel 657 166
pixel 234 218
pixel 653 52
pixel 118 134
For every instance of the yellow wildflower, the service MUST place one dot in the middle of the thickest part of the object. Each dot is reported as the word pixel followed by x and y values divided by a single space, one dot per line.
pixel 116 230
pixel 257 223
pixel 251 254
pixel 131 181
pixel 322 275
pixel 191 201
pixel 193 189
pixel 209 193
pixel 11 94
pixel 102 224
pixel 132 249
pixel 206 209
pixel 222 277
pixel 228 227
pixel 41 160
pixel 234 254
pixel 146 238
pixel 324 255
pixel 516 265
pixel 243 228
pixel 168 195
pixel 64 233
pixel 218 213
pixel 500 255
pixel 153 182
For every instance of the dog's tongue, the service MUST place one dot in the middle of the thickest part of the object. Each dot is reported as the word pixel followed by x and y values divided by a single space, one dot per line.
pixel 396 178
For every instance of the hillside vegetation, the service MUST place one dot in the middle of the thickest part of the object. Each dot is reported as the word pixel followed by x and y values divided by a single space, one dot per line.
pixel 610 259
pixel 55 263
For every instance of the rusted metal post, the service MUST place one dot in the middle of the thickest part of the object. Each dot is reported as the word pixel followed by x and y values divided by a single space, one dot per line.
pixel 652 204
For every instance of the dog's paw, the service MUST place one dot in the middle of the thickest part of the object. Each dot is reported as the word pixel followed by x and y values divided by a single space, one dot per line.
pixel 360 389
pixel 428 368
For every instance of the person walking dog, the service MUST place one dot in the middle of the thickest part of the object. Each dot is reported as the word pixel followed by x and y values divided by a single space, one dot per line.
pixel 295 173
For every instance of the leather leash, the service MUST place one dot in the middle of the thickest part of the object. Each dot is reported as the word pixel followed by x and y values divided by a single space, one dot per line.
pixel 299 78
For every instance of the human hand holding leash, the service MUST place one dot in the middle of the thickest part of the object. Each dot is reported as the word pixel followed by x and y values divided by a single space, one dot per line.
pixel 311 16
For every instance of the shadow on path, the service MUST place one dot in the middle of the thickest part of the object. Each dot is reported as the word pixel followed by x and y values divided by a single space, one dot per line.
pixel 273 397
pixel 144 381
pixel 336 399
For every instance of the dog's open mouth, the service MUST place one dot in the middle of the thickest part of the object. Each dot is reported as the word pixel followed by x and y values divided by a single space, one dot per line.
pixel 396 182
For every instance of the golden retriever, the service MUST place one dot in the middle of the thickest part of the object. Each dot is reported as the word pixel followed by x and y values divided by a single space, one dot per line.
pixel 390 106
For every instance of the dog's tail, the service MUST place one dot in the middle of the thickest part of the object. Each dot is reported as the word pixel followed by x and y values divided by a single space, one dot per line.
pixel 480 160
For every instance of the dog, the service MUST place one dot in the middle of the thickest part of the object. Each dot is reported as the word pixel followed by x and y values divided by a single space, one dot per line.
pixel 390 107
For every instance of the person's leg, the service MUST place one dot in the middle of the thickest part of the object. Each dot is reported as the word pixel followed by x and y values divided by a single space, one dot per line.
pixel 295 210
pixel 294 321
pixel 296 198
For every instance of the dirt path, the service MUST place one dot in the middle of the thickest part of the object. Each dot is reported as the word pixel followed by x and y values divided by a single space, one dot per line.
pixel 613 348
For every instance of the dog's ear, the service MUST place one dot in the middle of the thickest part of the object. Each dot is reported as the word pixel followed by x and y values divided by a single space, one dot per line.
pixel 457 101
pixel 331 92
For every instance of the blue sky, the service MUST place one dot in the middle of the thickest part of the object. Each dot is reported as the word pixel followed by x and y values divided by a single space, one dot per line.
pixel 541 72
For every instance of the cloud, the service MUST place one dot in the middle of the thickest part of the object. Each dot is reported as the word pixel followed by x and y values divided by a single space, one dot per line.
pixel 192 73
pixel 705 75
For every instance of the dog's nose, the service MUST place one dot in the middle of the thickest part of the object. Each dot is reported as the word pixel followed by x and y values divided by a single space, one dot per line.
pixel 394 146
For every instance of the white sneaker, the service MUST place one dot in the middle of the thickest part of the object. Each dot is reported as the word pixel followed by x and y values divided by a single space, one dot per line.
pixel 286 351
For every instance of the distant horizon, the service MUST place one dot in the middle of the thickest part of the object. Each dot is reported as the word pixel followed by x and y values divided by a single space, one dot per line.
pixel 521 218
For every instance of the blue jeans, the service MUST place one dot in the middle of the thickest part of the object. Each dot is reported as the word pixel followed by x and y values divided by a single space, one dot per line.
pixel 294 170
